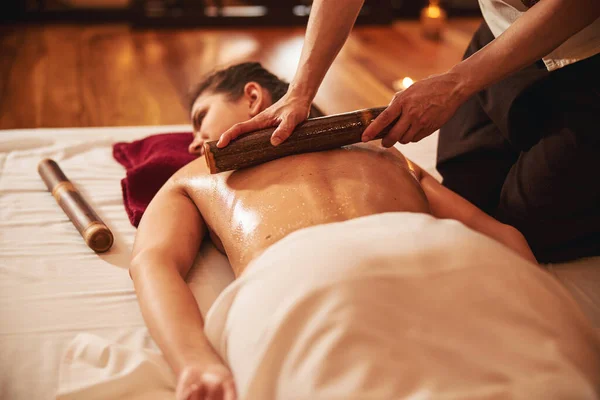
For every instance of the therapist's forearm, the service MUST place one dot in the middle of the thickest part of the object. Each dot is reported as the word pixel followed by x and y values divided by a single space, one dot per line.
pixel 328 28
pixel 535 34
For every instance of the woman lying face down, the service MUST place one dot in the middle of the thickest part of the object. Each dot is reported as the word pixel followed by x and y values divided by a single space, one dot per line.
pixel 246 212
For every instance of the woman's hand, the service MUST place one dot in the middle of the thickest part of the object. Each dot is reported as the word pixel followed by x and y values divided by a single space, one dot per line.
pixel 423 108
pixel 210 382
pixel 286 114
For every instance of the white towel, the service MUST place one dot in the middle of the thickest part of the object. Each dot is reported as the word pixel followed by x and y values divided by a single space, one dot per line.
pixel 401 305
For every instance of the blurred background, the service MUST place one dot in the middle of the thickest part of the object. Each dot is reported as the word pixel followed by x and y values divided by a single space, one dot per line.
pixel 76 63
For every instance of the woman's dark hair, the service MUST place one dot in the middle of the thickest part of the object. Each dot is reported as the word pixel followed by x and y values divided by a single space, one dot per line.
pixel 231 81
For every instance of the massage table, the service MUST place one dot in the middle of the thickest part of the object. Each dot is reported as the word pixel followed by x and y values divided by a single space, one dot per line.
pixel 55 292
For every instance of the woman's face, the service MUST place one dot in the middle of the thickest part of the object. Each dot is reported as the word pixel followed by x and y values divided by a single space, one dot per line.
pixel 212 114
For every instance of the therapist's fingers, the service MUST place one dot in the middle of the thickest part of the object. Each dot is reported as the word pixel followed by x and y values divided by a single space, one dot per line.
pixel 238 129
pixel 411 133
pixel 425 107
pixel 285 128
pixel 383 120
pixel 285 115
pixel 396 132
pixel 422 134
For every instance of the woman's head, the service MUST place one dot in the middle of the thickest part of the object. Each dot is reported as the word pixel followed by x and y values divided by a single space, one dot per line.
pixel 231 95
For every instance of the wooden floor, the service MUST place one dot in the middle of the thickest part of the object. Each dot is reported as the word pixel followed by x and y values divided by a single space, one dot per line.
pixel 111 75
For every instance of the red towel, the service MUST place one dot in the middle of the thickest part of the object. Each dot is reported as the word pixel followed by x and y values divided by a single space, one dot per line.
pixel 150 162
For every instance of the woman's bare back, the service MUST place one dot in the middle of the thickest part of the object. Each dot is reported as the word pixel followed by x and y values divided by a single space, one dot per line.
pixel 246 211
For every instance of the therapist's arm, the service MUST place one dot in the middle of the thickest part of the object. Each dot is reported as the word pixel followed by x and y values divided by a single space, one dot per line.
pixel 166 245
pixel 328 28
pixel 329 25
pixel 538 32
pixel 428 104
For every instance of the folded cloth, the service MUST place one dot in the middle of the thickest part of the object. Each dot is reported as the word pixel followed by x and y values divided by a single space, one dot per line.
pixel 96 368
pixel 401 305
pixel 150 162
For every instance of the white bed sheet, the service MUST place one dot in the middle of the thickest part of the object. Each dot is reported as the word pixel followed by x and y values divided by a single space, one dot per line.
pixel 52 287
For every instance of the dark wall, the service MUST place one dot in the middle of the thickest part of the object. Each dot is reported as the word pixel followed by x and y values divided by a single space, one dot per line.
pixel 412 8
pixel 191 12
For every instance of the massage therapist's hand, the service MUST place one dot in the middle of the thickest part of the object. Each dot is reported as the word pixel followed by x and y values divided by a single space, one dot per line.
pixel 206 382
pixel 286 114
pixel 423 108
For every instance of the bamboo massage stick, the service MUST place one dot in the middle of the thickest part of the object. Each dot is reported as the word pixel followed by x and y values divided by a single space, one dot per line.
pixel 95 233
pixel 316 134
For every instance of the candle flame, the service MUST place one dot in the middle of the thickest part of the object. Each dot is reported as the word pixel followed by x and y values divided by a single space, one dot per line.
pixel 433 11
pixel 407 82
pixel 402 84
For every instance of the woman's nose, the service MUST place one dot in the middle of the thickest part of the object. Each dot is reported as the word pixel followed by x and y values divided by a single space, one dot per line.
pixel 196 146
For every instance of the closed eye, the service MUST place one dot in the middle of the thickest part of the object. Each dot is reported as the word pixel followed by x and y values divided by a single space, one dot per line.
pixel 197 120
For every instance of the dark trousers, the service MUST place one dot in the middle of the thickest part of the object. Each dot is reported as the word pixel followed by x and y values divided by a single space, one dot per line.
pixel 527 151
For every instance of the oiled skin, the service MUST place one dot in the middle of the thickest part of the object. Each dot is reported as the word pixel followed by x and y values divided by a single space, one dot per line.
pixel 246 211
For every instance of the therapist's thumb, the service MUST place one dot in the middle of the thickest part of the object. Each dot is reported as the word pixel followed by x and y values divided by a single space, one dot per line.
pixel 241 128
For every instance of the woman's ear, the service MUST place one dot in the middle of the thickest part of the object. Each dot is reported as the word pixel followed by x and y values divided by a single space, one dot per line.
pixel 257 97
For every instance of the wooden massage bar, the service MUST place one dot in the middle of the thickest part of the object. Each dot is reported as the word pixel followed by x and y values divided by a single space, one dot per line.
pixel 317 134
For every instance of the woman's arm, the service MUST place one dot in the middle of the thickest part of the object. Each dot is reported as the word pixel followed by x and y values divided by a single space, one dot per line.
pixel 428 104
pixel 166 245
pixel 328 28
pixel 445 203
